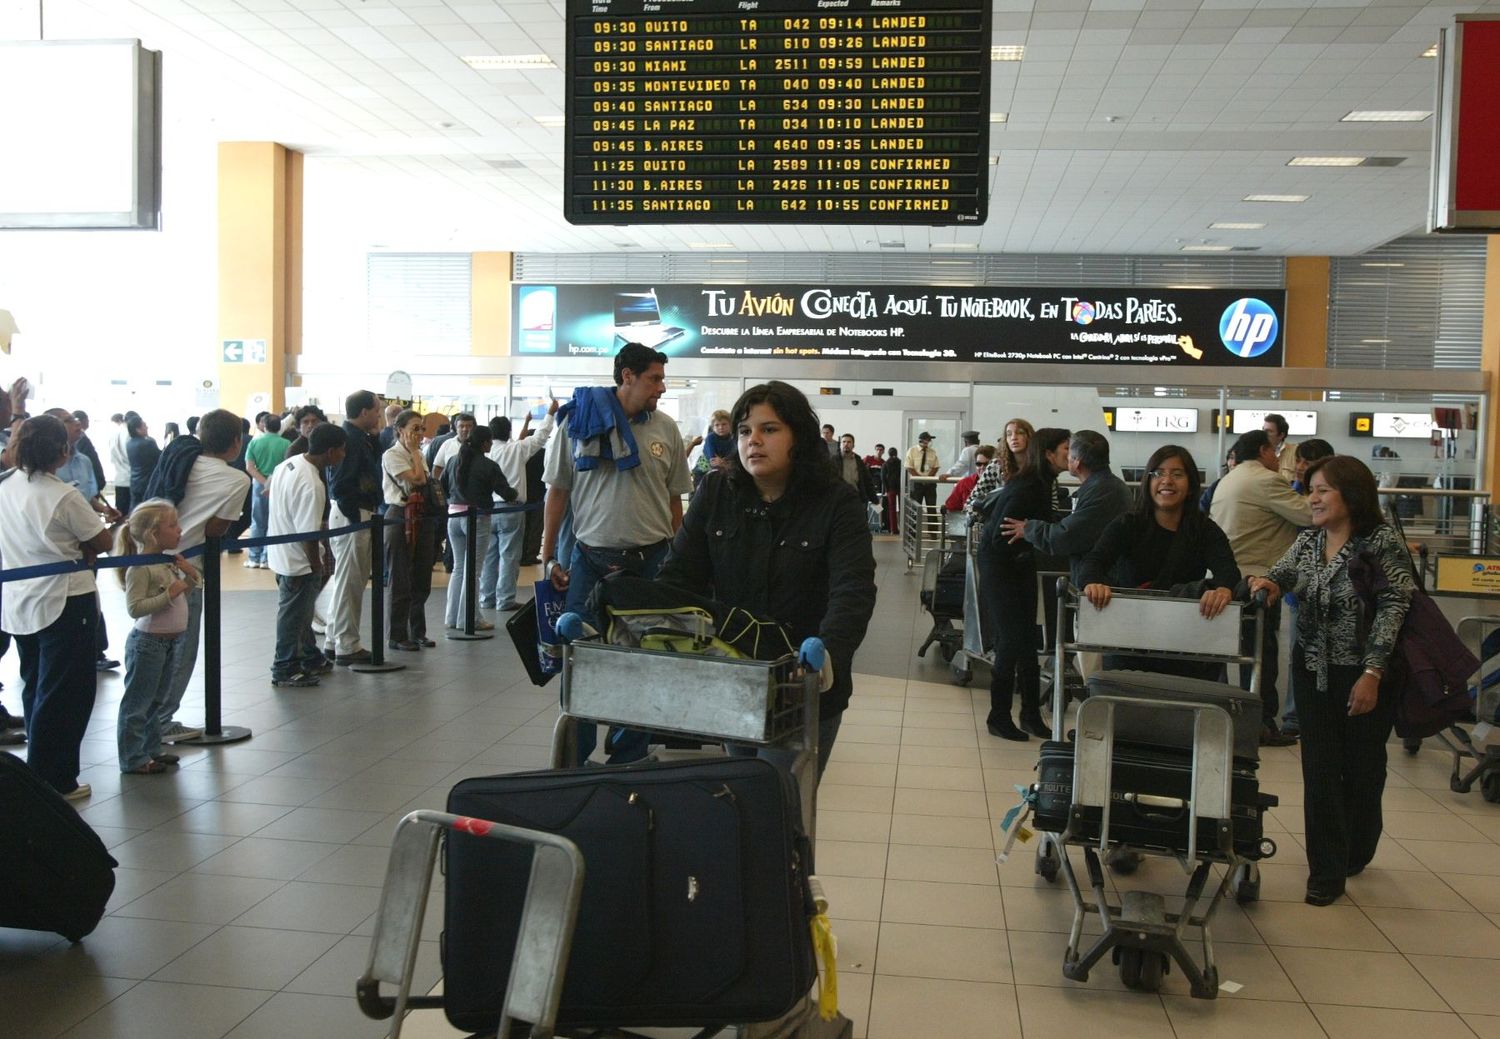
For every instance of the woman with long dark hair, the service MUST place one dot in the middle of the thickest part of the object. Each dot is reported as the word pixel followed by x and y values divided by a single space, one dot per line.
pixel 1007 582
pixel 1344 640
pixel 52 619
pixel 473 482
pixel 1166 543
pixel 778 533
pixel 1010 459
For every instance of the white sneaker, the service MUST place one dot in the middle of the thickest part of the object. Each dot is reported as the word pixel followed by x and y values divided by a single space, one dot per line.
pixel 250 564
pixel 178 731
pixel 79 792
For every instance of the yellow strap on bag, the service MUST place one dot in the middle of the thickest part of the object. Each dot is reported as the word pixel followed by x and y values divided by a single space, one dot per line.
pixel 826 949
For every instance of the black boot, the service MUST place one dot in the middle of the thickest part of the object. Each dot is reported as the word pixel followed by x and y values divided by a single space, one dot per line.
pixel 1004 728
pixel 1031 711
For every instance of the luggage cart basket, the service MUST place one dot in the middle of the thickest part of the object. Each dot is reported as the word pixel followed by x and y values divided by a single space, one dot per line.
pixel 534 986
pixel 1140 934
pixel 719 699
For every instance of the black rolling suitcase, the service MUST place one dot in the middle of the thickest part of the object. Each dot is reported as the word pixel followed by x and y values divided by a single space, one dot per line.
pixel 55 874
pixel 1154 772
pixel 695 903
pixel 1175 728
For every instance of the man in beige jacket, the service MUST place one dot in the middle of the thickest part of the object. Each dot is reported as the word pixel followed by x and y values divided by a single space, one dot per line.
pixel 1276 428
pixel 1261 514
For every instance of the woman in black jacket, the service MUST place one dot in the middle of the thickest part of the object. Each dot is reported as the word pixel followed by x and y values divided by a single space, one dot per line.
pixel 1007 580
pixel 1167 542
pixel 779 534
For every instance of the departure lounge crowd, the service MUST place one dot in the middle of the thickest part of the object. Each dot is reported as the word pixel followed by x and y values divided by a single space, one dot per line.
pixel 780 520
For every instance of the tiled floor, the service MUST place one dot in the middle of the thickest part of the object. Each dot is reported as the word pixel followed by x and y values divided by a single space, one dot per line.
pixel 248 879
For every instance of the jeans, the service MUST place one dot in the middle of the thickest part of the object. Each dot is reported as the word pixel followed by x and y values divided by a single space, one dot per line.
pixel 502 563
pixel 459 540
pixel 588 566
pixel 148 680
pixel 408 576
pixel 184 660
pixel 57 670
pixel 343 597
pixel 260 518
pixel 296 649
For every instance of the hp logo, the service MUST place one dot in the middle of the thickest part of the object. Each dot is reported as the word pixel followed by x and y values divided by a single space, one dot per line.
pixel 1248 327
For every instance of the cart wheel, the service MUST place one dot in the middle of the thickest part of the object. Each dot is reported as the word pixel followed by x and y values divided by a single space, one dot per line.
pixel 1130 966
pixel 1489 786
pixel 1047 864
pixel 1123 861
pixel 1457 784
pixel 1209 988
pixel 947 651
pixel 964 676
pixel 1153 967
pixel 1246 883
pixel 1412 745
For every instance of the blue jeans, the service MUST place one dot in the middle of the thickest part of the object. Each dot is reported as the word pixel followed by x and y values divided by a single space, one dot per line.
pixel 148 680
pixel 59 681
pixel 184 660
pixel 502 562
pixel 459 542
pixel 588 567
pixel 260 519
pixel 296 649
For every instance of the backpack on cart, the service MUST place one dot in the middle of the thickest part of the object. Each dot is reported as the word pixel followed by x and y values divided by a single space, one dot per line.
pixel 656 615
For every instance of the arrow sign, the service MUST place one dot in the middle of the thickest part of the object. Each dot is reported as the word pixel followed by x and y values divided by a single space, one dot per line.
pixel 234 351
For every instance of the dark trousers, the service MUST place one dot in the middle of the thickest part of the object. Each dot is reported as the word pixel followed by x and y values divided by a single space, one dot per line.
pixel 1012 599
pixel 924 492
pixel 588 567
pixel 1343 773
pixel 1270 663
pixel 408 577
pixel 57 668
pixel 296 648
pixel 122 500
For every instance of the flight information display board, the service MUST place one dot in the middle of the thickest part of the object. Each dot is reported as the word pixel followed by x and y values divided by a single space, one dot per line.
pixel 778 111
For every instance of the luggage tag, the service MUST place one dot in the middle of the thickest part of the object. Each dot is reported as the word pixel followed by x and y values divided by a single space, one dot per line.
pixel 1014 822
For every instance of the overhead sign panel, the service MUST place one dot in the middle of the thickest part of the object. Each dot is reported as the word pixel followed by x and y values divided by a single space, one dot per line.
pixel 1150 327
pixel 777 111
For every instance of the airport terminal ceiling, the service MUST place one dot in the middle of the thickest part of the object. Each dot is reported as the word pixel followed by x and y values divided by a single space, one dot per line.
pixel 1116 128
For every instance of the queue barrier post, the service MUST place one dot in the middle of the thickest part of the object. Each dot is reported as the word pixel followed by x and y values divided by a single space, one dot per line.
pixel 471 582
pixel 377 662
pixel 214 729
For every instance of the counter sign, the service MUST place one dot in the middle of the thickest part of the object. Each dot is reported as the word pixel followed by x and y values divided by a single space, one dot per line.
pixel 777 111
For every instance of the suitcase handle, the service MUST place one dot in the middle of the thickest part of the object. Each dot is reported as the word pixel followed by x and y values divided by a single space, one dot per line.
pixel 1148 801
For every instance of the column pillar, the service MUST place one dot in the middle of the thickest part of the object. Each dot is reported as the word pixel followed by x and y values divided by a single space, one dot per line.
pixel 1306 317
pixel 260 271
pixel 489 304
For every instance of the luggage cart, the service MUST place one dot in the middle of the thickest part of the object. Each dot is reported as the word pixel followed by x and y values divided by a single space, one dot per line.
pixel 1141 934
pixel 534 987
pixel 713 699
pixel 921 528
pixel 1481 632
pixel 939 600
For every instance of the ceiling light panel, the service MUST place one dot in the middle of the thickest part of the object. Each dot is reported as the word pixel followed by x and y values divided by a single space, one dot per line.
pixel 488 62
pixel 1231 225
pixel 1382 116
pixel 1327 160
pixel 1277 198
pixel 1007 52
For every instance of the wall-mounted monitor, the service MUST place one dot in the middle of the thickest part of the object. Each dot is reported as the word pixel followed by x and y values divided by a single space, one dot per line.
pixel 1155 420
pixel 1403 425
pixel 80 128
pixel 1299 423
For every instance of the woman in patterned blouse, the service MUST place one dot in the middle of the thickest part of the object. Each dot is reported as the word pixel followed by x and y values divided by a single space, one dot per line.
pixel 1340 655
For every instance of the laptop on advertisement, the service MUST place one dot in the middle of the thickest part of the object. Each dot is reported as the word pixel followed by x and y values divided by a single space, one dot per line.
pixel 638 320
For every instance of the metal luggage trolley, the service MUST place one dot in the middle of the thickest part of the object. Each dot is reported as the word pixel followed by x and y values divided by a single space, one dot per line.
pixel 1140 933
pixel 1486 769
pixel 716 699
pixel 921 526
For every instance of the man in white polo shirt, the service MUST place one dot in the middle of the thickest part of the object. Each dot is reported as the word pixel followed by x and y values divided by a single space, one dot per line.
pixel 213 500
pixel 297 499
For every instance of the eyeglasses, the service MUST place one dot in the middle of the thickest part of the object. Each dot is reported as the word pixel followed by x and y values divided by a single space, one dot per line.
pixel 1170 474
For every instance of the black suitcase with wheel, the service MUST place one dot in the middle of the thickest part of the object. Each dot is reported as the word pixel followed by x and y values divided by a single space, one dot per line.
pixel 1153 772
pixel 695 907
pixel 55 874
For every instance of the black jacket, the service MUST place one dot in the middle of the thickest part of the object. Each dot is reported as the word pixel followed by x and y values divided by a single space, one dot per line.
pixel 85 447
pixel 1027 497
pixel 481 480
pixel 805 560
pixel 354 483
pixel 143 454
pixel 1128 555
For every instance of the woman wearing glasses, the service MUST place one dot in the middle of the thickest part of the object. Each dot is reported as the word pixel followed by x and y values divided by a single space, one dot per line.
pixel 1165 543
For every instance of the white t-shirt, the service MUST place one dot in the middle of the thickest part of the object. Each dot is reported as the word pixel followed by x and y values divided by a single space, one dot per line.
pixel 395 461
pixel 296 504
pixel 42 520
pixel 447 454
pixel 119 458
pixel 512 455
pixel 214 491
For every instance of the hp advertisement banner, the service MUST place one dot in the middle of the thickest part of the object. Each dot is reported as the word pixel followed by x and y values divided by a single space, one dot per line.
pixel 1167 328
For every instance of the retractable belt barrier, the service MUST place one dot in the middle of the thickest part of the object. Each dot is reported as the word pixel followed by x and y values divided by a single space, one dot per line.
pixel 214 731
